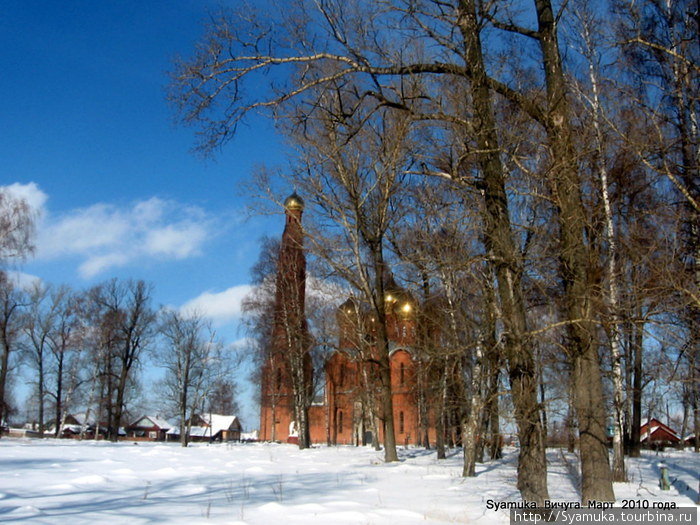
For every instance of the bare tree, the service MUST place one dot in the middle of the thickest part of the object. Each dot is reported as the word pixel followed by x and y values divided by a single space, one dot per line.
pixel 38 329
pixel 351 170
pixel 13 302
pixel 222 398
pixel 16 227
pixel 408 56
pixel 16 242
pixel 127 326
pixel 443 241
pixel 65 344
pixel 258 314
pixel 194 362
pixel 52 345
pixel 659 42
pixel 590 29
pixel 356 47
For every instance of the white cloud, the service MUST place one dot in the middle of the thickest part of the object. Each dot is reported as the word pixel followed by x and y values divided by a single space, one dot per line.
pixel 242 343
pixel 95 265
pixel 23 280
pixel 29 192
pixel 179 241
pixel 220 306
pixel 105 236
pixel 83 231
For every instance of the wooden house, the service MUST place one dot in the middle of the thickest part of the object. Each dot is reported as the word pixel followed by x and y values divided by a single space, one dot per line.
pixel 210 427
pixel 81 424
pixel 219 427
pixel 654 433
pixel 148 428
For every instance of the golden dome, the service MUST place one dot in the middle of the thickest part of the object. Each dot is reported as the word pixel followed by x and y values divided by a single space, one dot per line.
pixel 294 202
pixel 400 302
pixel 350 307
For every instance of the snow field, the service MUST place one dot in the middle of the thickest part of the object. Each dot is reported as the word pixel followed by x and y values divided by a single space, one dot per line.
pixel 47 481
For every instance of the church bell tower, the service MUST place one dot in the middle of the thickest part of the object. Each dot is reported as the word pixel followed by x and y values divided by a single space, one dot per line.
pixel 289 331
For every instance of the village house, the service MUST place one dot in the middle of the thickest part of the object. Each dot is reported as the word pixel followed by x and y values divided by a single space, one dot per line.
pixel 148 428
pixel 653 433
pixel 210 427
pixel 81 425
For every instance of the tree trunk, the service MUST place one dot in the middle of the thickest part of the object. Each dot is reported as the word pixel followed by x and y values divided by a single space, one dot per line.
pixel 118 406
pixel 387 404
pixel 695 400
pixel 440 413
pixel 636 343
pixel 4 363
pixel 571 417
pixel 329 396
pixel 532 471
pixel 496 447
pixel 59 396
pixel 472 417
pixel 370 402
pixel 618 470
pixel 41 396
pixel 183 426
pixel 385 395
pixel 183 415
pixel 575 260
pixel 423 412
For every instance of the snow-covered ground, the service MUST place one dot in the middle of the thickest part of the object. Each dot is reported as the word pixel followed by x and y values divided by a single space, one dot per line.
pixel 62 481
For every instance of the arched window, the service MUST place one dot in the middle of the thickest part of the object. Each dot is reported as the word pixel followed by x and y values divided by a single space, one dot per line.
pixel 340 422
pixel 402 374
pixel 279 379
pixel 401 422
pixel 341 375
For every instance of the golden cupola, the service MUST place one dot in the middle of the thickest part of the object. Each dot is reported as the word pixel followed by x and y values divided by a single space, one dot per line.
pixel 294 202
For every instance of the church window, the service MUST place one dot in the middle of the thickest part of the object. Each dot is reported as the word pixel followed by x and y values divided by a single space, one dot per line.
pixel 401 422
pixel 279 379
pixel 340 422
pixel 402 374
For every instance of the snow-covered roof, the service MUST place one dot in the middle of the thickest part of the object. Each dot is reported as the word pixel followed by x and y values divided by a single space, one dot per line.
pixel 219 422
pixel 652 426
pixel 194 432
pixel 213 424
pixel 200 432
pixel 84 419
pixel 249 436
pixel 159 422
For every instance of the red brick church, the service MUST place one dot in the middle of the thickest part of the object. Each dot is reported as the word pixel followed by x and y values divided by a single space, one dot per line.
pixel 347 412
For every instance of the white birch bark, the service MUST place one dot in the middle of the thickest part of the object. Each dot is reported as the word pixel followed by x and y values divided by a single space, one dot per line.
pixel 618 469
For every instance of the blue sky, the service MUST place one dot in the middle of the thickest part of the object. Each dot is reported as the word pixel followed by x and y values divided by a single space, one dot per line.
pixel 89 139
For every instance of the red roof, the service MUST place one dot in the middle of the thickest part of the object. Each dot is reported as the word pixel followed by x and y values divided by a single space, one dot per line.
pixel 655 430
